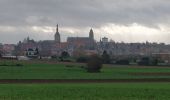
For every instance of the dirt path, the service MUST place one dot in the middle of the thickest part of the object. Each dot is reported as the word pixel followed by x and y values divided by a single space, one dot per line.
pixel 13 81
pixel 152 74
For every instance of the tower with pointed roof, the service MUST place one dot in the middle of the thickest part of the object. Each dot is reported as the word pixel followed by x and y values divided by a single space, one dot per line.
pixel 57 35
pixel 91 34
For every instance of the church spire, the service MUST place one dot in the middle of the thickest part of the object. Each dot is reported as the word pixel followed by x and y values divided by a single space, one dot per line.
pixel 57 35
pixel 57 29
pixel 91 34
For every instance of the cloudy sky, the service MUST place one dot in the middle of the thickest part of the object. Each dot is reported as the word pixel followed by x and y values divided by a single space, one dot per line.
pixel 119 20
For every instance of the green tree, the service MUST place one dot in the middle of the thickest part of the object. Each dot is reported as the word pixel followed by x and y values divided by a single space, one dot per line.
pixel 37 51
pixel 106 58
pixel 0 55
pixel 65 54
pixel 94 64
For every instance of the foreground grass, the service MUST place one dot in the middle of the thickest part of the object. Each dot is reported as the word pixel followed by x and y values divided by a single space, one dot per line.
pixel 102 91
pixel 60 71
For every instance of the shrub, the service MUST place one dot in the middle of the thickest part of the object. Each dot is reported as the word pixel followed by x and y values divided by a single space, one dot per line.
pixel 69 66
pixel 94 64
pixel 19 64
pixel 82 59
pixel 65 54
pixel 146 61
pixel 54 56
pixel 155 62
pixel 67 60
pixel 61 58
pixel 106 58
pixel 122 62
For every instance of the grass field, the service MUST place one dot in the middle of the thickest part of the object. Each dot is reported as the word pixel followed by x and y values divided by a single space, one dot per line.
pixel 82 91
pixel 60 71
pixel 102 91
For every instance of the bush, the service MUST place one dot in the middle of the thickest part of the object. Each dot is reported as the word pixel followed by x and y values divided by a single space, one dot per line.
pixel 122 62
pixel 146 61
pixel 69 66
pixel 65 54
pixel 54 57
pixel 18 65
pixel 106 58
pixel 67 60
pixel 61 59
pixel 82 59
pixel 94 64
pixel 155 62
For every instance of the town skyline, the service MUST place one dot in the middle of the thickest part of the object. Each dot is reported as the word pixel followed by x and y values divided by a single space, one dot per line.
pixel 57 30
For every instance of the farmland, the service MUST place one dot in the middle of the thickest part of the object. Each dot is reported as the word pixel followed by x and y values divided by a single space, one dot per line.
pixel 69 81
pixel 74 71
pixel 97 91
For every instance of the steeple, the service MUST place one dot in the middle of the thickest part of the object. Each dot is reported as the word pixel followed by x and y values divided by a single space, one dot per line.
pixel 91 34
pixel 57 35
pixel 57 29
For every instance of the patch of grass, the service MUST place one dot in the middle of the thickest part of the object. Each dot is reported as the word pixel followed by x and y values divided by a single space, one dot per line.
pixel 41 70
pixel 100 91
pixel 10 63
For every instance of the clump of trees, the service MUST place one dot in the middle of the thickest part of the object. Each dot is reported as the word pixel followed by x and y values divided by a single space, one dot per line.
pixel 146 61
pixel 82 59
pixel 106 58
pixel 36 52
pixel 123 62
pixel 94 64
pixel 1 54
pixel 64 55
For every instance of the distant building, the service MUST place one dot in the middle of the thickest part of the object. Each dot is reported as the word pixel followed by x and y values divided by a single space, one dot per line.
pixel 57 35
pixel 32 52
pixel 77 46
pixel 165 57
pixel 45 47
pixel 83 42
pixel 90 52
pixel 1 48
pixel 105 40
pixel 91 34
pixel 23 46
pixel 8 49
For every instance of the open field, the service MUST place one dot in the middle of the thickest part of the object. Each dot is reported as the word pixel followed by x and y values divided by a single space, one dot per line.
pixel 60 71
pixel 59 82
pixel 97 91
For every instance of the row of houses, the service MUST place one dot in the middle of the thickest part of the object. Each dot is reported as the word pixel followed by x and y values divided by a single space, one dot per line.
pixel 80 46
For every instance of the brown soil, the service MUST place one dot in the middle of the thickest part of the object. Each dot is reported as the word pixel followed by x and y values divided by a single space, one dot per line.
pixel 151 74
pixel 10 81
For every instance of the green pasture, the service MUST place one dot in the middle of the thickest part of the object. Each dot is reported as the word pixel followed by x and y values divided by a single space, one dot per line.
pixel 95 91
pixel 43 70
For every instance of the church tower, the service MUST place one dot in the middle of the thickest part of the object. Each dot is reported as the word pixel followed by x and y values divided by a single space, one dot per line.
pixel 91 34
pixel 57 35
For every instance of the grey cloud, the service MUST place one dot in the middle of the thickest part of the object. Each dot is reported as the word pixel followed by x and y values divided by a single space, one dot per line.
pixel 84 13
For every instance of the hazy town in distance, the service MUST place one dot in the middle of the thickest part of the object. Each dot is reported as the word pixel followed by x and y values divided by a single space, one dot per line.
pixel 132 32
pixel 84 46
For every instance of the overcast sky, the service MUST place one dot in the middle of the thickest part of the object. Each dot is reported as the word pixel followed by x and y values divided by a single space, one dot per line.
pixel 119 20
